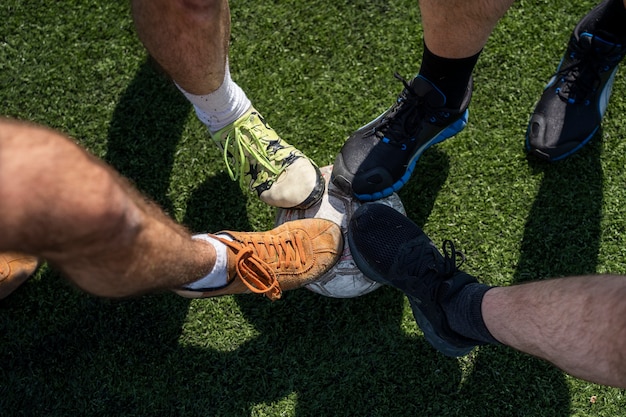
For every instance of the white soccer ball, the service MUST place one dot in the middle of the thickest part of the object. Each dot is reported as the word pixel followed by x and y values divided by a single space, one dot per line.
pixel 344 280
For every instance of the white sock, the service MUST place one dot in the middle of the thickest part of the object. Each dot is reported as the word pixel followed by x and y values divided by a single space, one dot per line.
pixel 218 277
pixel 221 107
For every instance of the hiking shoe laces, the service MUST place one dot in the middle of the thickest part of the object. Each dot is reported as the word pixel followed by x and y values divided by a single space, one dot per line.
pixel 262 162
pixel 402 124
pixel 420 258
pixel 581 78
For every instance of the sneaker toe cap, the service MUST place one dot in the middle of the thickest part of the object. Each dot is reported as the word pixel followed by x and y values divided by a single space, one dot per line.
pixel 553 138
pixel 299 186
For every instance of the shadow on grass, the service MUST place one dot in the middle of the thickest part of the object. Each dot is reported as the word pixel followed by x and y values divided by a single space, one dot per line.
pixel 561 238
pixel 64 353
pixel 125 358
pixel 562 234
pixel 215 205
pixel 420 193
pixel 145 129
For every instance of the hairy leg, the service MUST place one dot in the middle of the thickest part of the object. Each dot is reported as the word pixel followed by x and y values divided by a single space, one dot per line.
pixel 577 323
pixel 188 38
pixel 460 28
pixel 62 204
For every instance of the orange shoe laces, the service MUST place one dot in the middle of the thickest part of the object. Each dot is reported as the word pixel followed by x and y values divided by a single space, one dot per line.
pixel 255 272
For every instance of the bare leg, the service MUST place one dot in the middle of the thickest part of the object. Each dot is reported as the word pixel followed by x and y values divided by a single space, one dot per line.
pixel 577 323
pixel 460 28
pixel 64 205
pixel 190 41
pixel 188 38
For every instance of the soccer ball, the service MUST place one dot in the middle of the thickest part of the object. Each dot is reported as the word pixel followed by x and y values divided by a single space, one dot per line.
pixel 344 280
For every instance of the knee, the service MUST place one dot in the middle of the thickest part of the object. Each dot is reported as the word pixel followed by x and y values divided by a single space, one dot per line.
pixel 105 211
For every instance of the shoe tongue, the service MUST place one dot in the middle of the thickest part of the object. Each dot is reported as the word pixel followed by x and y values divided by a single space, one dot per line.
pixel 231 255
pixel 432 95
pixel 454 284
pixel 602 41
pixel 231 263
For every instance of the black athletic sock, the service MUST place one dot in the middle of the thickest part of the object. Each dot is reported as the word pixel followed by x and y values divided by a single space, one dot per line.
pixel 464 313
pixel 450 75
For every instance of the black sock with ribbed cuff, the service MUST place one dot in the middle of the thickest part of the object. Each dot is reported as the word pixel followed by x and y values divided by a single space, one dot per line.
pixel 450 75
pixel 464 313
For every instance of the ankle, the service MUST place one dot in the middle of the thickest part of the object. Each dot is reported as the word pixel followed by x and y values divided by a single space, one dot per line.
pixel 221 107
pixel 219 275
pixel 463 310
pixel 450 75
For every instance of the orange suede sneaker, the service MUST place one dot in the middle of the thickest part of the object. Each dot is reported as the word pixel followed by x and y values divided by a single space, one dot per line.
pixel 15 268
pixel 289 256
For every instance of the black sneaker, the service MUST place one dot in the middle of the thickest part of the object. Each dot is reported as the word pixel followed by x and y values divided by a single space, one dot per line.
pixel 573 103
pixel 391 249
pixel 379 158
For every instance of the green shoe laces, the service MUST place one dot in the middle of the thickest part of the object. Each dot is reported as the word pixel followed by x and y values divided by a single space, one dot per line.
pixel 253 144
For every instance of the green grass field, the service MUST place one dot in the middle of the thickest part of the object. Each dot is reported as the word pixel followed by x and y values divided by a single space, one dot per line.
pixel 317 70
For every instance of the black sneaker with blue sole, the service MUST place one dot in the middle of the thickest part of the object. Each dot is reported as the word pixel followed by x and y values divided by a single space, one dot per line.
pixel 572 105
pixel 391 249
pixel 380 157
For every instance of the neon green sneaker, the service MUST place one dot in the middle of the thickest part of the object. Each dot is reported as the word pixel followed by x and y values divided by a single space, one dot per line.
pixel 261 161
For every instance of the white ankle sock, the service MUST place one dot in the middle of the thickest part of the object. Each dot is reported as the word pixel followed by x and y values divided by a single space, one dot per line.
pixel 221 107
pixel 218 277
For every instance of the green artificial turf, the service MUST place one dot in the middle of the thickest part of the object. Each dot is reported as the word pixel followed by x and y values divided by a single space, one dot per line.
pixel 317 70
